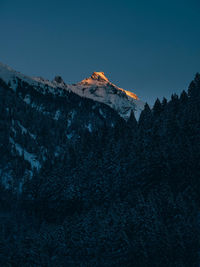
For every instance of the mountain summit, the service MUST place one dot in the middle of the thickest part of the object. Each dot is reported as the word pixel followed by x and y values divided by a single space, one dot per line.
pixel 99 88
pixel 99 76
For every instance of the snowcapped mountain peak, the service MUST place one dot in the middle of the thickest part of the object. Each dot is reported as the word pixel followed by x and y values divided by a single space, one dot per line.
pixel 96 78
pixel 100 89
pixel 99 79
pixel 99 76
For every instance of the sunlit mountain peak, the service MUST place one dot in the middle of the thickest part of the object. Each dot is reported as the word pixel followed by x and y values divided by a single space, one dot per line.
pixel 99 76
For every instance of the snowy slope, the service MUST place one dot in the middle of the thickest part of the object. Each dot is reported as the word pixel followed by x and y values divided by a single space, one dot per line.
pixel 97 87
pixel 10 76
pixel 100 89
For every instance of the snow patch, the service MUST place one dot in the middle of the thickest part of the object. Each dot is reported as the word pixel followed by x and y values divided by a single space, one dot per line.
pixel 102 113
pixel 57 115
pixel 70 135
pixel 89 127
pixel 31 158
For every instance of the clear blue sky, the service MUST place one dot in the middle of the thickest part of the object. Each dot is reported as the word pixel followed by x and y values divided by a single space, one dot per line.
pixel 149 47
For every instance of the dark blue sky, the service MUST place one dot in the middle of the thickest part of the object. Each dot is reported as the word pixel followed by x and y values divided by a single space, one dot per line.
pixel 149 47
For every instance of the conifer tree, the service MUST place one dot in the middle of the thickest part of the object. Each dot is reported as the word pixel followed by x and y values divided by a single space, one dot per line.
pixel 157 108
pixel 145 120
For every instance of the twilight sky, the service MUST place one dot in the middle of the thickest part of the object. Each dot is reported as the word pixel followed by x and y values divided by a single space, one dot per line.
pixel 149 47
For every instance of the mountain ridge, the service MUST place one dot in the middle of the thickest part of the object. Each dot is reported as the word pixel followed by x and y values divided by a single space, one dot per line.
pixel 97 87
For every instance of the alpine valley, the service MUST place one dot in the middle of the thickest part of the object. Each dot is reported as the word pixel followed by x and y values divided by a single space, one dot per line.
pixel 92 176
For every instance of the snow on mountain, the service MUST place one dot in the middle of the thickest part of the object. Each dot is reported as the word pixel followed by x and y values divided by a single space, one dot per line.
pixel 10 76
pixel 97 88
pixel 100 89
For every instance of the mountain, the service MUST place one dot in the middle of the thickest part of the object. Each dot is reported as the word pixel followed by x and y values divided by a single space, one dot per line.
pixel 100 89
pixel 97 88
